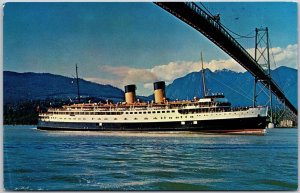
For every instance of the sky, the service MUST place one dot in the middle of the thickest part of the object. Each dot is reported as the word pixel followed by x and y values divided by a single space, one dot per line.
pixel 136 43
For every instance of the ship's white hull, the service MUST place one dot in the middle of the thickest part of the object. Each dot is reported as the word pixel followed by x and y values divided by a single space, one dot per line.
pixel 252 120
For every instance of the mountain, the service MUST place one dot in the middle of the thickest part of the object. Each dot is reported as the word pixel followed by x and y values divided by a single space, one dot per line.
pixel 237 87
pixel 32 86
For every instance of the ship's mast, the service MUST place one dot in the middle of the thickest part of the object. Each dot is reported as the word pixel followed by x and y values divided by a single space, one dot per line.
pixel 77 84
pixel 203 78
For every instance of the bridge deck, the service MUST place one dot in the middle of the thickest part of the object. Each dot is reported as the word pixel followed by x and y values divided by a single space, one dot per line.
pixel 193 15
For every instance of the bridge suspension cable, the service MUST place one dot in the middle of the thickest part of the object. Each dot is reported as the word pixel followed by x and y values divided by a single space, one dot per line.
pixel 197 18
pixel 239 36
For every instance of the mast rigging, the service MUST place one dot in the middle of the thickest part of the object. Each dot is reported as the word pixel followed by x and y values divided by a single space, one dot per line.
pixel 78 95
pixel 203 78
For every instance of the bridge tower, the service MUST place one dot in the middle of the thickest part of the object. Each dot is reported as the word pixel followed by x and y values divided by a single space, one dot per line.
pixel 262 57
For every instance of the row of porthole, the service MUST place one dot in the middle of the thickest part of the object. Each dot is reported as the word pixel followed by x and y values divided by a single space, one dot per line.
pixel 87 113
pixel 150 112
pixel 116 118
pixel 134 118
pixel 112 113
pixel 127 112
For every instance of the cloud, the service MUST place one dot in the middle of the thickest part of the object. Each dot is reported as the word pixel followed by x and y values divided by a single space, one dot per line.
pixel 148 86
pixel 287 56
pixel 144 78
pixel 130 75
pixel 171 70
pixel 230 64
pixel 123 75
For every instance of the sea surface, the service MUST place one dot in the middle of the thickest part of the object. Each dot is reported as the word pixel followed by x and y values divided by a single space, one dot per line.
pixel 42 160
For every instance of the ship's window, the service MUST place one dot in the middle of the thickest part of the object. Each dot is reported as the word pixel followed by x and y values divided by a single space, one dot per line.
pixel 153 111
pixel 115 119
pixel 149 112
pixel 84 119
pixel 191 116
pixel 173 111
pixel 135 112
pixel 135 118
pixel 99 119
pixel 144 112
pixel 140 112
pixel 131 112
pixel 163 112
pixel 155 118
pixel 125 118
pixel 105 118
pixel 168 111
pixel 126 112
pixel 158 111
pixel 146 118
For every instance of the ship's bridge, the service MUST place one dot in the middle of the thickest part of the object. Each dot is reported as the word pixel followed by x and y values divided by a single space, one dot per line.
pixel 217 97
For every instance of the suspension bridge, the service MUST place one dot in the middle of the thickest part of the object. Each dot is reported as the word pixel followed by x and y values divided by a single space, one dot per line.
pixel 211 27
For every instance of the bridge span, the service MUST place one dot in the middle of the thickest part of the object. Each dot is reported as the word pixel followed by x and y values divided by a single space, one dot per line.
pixel 197 18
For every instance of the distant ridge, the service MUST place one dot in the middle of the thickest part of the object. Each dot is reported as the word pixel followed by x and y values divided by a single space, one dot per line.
pixel 237 87
pixel 32 86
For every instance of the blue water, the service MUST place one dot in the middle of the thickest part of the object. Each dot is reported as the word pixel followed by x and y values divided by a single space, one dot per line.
pixel 41 160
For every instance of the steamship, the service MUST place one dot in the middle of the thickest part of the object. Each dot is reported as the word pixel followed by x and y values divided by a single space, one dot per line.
pixel 212 113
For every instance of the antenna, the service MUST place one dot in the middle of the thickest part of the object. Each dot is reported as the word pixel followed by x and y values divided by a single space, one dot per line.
pixel 77 84
pixel 203 78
